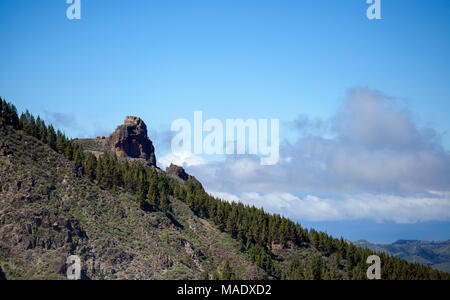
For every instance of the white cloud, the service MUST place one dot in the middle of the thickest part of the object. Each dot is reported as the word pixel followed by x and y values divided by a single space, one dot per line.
pixel 379 208
pixel 371 155
pixel 371 145
pixel 225 196
pixel 184 159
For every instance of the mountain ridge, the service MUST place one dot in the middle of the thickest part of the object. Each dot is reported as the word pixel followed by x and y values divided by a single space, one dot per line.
pixel 435 254
pixel 47 216
pixel 127 220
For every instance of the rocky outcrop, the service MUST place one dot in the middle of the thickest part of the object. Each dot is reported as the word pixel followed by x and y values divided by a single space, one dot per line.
pixel 130 140
pixel 179 172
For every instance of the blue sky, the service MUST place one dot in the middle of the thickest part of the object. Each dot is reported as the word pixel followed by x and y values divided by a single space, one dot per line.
pixel 162 60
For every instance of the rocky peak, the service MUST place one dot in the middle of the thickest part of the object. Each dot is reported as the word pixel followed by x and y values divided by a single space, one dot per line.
pixel 130 140
pixel 178 172
pixel 135 122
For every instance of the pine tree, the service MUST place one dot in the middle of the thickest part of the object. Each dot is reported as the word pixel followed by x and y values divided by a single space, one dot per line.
pixel 348 270
pixel 106 178
pixel 294 271
pixel 23 121
pixel 32 128
pixel 7 113
pixel 314 238
pixel 164 203
pixel 51 137
pixel 60 142
pixel 314 269
pixel 43 132
pixel 142 188
pixel 90 166
pixel 163 188
pixel 28 123
pixel 78 159
pixel 38 126
pixel 15 122
pixel 1 108
pixel 68 151
pixel 153 194
pixel 99 170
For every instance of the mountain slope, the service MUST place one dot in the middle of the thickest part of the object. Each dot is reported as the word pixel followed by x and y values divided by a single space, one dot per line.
pixel 127 219
pixel 49 211
pixel 433 254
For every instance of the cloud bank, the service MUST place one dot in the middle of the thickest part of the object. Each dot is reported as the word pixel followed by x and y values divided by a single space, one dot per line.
pixel 375 207
pixel 370 149
pixel 372 146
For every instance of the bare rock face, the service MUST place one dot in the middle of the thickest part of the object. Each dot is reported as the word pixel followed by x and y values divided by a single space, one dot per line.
pixel 130 140
pixel 178 172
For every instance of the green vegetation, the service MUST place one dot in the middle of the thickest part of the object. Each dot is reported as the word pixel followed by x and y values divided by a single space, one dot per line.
pixel 433 254
pixel 282 248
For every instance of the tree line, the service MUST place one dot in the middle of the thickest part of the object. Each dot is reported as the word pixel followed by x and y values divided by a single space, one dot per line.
pixel 256 231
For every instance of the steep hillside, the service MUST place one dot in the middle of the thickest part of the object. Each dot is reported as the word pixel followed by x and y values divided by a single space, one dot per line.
pixel 433 254
pixel 49 211
pixel 106 202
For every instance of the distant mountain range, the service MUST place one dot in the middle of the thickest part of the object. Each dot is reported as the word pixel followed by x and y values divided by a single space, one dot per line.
pixel 433 254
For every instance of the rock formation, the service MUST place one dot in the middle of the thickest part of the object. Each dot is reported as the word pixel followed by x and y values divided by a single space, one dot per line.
pixel 130 140
pixel 179 172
